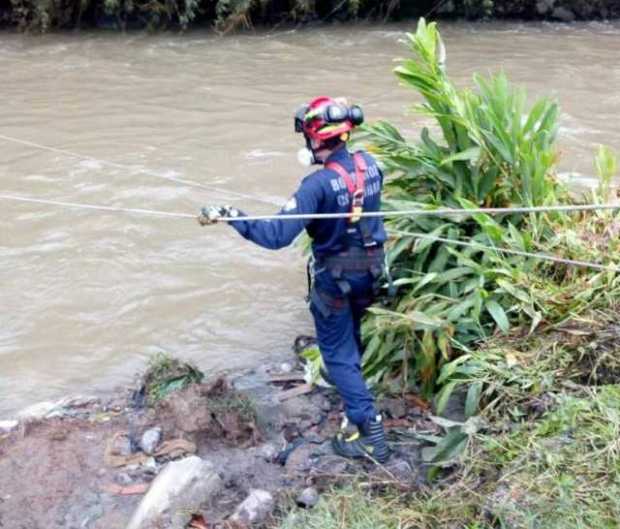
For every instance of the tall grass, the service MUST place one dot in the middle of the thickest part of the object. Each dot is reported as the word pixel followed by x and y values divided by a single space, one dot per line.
pixel 562 472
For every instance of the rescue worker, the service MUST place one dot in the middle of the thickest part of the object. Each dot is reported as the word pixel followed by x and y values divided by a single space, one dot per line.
pixel 347 256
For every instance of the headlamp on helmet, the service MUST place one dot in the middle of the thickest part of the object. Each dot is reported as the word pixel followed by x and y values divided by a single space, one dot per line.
pixel 340 113
pixel 323 122
pixel 318 119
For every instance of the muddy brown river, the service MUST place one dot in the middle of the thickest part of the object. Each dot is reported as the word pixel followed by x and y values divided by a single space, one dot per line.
pixel 86 297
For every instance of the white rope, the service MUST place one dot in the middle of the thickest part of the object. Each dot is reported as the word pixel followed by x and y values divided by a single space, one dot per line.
pixel 97 207
pixel 470 244
pixel 542 256
pixel 134 169
pixel 397 213
pixel 430 212
pixel 319 216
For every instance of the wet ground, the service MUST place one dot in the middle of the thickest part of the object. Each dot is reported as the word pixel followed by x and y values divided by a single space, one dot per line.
pixel 79 464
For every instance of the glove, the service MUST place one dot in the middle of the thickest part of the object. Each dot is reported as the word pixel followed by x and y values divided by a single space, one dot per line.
pixel 212 214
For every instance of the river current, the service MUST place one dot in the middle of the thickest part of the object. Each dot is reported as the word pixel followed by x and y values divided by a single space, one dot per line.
pixel 86 297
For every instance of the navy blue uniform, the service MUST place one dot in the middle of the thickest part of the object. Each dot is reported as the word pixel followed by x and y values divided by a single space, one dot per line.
pixel 337 314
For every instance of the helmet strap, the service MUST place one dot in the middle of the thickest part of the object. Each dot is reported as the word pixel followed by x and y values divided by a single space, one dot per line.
pixel 329 144
pixel 311 149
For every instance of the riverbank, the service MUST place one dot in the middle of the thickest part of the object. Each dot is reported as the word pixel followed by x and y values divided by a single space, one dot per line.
pixel 538 380
pixel 253 450
pixel 231 15
pixel 93 463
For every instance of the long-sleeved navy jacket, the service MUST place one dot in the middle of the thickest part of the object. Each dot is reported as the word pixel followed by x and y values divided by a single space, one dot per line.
pixel 322 191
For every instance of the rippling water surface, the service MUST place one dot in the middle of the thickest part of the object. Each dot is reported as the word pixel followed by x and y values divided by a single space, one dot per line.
pixel 86 297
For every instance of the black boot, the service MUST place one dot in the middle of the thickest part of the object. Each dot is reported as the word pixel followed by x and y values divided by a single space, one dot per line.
pixel 368 442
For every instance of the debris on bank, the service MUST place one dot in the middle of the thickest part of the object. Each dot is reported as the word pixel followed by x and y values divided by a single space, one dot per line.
pixel 183 452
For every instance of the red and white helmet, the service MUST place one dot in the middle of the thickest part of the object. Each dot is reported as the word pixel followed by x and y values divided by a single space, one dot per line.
pixel 324 118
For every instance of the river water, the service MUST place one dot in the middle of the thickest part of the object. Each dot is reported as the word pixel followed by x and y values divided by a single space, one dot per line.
pixel 86 297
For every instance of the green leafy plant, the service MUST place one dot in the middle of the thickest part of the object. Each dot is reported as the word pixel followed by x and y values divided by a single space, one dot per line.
pixel 491 153
pixel 511 375
pixel 486 150
pixel 606 164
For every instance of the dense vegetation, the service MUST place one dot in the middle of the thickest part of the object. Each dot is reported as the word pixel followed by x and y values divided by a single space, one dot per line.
pixel 531 347
pixel 226 15
pixel 486 151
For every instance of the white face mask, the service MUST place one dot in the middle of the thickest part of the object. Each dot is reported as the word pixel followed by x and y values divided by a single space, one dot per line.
pixel 305 157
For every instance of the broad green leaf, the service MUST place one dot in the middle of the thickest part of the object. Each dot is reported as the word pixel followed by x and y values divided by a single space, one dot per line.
pixel 449 448
pixel 472 401
pixel 444 396
pixel 403 244
pixel 428 278
pixel 472 154
pixel 498 314
pixel 438 264
pixel 516 236
pixel 451 367
pixel 514 291
pixel 536 113
pixel 455 273
pixel 406 281
pixel 461 308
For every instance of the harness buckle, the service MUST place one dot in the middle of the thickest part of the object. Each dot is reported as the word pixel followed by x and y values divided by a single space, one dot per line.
pixel 357 206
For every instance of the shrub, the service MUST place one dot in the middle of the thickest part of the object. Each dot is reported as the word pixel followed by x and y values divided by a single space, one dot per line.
pixel 486 151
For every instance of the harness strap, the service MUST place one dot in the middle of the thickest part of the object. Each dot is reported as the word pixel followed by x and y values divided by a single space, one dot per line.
pixel 360 172
pixel 346 176
pixel 360 166
pixel 356 190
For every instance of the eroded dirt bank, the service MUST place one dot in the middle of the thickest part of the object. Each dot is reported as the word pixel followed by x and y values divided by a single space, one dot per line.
pixel 88 463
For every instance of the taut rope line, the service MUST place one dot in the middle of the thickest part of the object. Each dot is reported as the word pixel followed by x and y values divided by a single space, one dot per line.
pixel 134 169
pixel 114 209
pixel 313 216
pixel 546 257
pixel 542 256
pixel 316 216
pixel 397 213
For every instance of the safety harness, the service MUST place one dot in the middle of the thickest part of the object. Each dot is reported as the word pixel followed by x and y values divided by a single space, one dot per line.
pixel 355 259
pixel 369 258
pixel 356 191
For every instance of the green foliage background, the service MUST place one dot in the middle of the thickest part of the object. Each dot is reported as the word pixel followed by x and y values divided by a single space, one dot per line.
pixel 227 15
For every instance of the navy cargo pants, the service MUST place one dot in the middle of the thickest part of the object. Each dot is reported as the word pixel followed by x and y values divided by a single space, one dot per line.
pixel 337 318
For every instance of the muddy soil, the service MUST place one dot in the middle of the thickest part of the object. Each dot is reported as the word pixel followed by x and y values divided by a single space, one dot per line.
pixel 80 465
